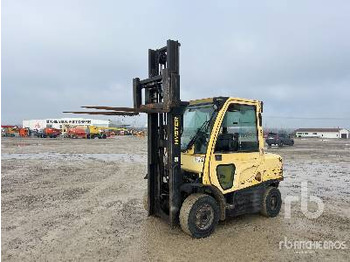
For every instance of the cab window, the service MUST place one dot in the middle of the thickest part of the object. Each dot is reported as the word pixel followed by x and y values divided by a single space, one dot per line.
pixel 238 132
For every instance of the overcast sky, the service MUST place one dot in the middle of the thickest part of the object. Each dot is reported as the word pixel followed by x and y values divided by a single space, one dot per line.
pixel 293 55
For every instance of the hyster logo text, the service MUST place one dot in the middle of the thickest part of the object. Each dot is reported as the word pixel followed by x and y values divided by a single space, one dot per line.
pixel 176 130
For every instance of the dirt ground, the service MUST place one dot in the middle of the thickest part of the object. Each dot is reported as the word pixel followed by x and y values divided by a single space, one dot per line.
pixel 81 200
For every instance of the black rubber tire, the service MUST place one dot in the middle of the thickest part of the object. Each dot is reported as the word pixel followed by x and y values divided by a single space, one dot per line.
pixel 191 207
pixel 272 202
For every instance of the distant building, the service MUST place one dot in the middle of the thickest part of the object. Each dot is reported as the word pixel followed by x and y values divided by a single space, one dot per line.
pixel 59 122
pixel 322 132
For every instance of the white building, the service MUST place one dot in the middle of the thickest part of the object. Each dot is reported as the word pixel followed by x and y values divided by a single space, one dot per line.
pixel 322 132
pixel 59 122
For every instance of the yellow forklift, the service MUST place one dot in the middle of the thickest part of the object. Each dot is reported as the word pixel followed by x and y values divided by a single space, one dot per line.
pixel 206 158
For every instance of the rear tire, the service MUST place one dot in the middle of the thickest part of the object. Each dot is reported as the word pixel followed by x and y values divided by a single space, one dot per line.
pixel 272 202
pixel 199 215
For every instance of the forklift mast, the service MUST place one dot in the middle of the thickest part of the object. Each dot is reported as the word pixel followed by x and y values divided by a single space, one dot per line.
pixel 162 93
pixel 159 97
pixel 165 110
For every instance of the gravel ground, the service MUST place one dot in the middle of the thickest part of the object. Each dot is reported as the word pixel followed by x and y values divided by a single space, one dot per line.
pixel 81 200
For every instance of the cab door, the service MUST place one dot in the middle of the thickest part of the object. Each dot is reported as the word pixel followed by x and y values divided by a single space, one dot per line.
pixel 236 157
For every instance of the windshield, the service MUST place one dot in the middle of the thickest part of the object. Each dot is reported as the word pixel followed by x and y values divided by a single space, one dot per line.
pixel 196 119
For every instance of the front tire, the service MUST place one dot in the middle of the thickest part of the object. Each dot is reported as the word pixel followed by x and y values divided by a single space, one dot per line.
pixel 199 215
pixel 272 202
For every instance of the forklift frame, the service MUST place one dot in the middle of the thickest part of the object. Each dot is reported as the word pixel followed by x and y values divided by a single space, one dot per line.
pixel 159 97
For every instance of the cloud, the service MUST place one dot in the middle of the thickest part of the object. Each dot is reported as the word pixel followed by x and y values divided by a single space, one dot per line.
pixel 293 55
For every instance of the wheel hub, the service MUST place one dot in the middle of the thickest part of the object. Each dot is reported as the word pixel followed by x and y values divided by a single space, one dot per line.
pixel 204 217
pixel 273 202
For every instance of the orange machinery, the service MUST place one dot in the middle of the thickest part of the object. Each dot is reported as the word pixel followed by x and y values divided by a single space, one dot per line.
pixel 51 132
pixel 77 132
pixel 24 132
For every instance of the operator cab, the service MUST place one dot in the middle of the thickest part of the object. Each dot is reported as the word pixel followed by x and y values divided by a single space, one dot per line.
pixel 238 130
pixel 222 143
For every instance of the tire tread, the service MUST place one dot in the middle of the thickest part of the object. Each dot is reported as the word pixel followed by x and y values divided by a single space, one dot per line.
pixel 186 209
